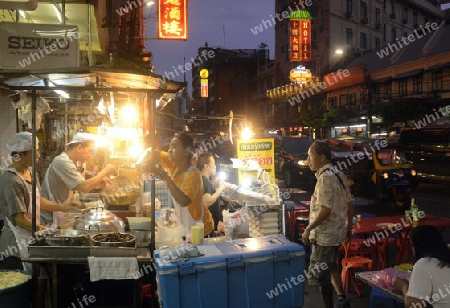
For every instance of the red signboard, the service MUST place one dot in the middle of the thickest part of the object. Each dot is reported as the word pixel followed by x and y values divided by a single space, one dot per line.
pixel 300 39
pixel 204 90
pixel 172 21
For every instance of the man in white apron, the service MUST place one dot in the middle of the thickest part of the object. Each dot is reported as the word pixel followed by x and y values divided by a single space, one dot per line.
pixel 185 183
pixel 63 176
pixel 16 201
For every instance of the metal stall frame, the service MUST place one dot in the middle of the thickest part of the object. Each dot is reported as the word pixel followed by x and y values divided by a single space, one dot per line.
pixel 91 79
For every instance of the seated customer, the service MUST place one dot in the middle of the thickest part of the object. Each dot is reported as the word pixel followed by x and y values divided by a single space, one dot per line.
pixel 429 283
pixel 207 166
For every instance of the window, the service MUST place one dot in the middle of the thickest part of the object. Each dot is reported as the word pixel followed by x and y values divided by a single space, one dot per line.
pixel 362 40
pixel 392 7
pixel 377 15
pixel 387 90
pixel 415 19
pixel 417 85
pixel 342 100
pixel 363 97
pixel 436 81
pixel 349 6
pixel 405 34
pixel 393 33
pixel 348 36
pixel 377 43
pixel 363 9
pixel 405 15
pixel 351 99
pixel 403 87
pixel 332 101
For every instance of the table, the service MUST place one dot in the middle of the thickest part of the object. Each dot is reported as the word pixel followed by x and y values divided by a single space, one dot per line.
pixel 366 277
pixel 397 226
pixel 142 254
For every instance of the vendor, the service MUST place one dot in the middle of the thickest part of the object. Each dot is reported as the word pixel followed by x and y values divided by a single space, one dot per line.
pixel 184 182
pixel 63 176
pixel 16 202
pixel 207 166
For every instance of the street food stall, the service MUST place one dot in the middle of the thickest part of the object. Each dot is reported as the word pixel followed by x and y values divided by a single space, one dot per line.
pixel 91 100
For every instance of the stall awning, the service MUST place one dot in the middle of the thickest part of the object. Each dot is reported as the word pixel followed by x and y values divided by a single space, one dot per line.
pixel 96 79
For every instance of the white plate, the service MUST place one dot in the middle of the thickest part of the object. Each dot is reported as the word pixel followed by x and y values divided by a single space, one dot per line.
pixel 386 225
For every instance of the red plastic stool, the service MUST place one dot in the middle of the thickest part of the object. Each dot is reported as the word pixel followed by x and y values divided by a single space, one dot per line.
pixel 147 291
pixel 349 267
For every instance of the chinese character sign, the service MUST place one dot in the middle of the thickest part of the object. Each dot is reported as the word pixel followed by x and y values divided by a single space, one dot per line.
pixel 260 150
pixel 172 21
pixel 300 39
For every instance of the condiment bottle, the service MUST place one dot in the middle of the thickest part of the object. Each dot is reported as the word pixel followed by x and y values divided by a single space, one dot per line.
pixel 414 210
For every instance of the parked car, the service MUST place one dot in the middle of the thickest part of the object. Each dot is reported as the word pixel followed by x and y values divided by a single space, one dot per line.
pixel 290 162
pixel 428 150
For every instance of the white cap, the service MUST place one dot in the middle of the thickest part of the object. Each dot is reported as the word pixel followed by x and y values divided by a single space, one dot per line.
pixel 21 142
pixel 82 137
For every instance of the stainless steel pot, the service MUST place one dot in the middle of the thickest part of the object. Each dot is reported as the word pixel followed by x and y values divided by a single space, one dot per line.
pixel 99 220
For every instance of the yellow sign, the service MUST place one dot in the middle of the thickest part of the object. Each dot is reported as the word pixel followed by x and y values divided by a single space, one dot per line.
pixel 204 73
pixel 300 74
pixel 260 150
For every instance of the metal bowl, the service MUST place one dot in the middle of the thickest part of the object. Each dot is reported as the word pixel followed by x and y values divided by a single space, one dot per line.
pixel 64 238
pixel 114 239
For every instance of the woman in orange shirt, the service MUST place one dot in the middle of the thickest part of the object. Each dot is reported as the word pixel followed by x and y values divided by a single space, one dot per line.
pixel 184 182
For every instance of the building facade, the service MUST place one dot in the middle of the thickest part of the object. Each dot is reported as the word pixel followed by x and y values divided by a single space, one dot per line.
pixel 342 31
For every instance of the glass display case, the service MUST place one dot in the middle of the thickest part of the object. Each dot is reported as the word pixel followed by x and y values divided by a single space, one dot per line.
pixel 254 204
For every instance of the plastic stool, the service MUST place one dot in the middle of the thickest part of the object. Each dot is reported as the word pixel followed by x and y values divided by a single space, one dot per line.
pixel 349 267
pixel 379 298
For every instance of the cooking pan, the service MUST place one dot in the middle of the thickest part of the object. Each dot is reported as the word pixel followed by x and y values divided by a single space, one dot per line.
pixel 63 237
pixel 114 239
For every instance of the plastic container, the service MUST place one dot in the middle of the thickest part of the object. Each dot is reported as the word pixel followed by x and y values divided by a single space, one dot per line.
pixel 18 296
pixel 254 272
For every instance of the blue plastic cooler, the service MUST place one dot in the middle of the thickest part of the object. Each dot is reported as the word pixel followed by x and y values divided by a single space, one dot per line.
pixel 255 272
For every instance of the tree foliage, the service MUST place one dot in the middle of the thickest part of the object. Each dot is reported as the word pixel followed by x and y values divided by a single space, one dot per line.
pixel 404 110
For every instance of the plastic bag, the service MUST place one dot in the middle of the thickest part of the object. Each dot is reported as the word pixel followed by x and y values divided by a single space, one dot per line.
pixel 386 277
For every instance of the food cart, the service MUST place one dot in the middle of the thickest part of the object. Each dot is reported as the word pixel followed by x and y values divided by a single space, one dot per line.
pixel 91 102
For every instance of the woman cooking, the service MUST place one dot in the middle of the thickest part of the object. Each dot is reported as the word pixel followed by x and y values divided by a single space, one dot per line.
pixel 16 202
pixel 185 183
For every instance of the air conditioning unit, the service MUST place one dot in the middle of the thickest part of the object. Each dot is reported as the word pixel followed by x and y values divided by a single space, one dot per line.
pixel 393 16
pixel 405 20
pixel 365 20
pixel 349 14
pixel 378 25
pixel 416 26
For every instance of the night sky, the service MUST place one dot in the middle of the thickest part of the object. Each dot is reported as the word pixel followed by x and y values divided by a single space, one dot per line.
pixel 220 23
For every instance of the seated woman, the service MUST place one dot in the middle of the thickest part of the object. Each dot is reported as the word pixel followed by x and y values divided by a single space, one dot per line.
pixel 429 283
pixel 184 182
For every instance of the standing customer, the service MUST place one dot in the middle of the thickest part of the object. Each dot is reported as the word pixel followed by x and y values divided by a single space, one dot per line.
pixel 207 166
pixel 63 176
pixel 184 182
pixel 429 283
pixel 330 223
pixel 16 202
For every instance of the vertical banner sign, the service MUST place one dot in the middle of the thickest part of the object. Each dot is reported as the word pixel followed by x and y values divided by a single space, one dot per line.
pixel 300 36
pixel 260 150
pixel 203 87
pixel 172 20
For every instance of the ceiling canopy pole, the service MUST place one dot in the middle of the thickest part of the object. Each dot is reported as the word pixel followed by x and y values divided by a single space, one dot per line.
pixel 33 154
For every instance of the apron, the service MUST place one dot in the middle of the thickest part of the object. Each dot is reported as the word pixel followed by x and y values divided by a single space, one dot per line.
pixel 58 217
pixel 22 235
pixel 182 212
